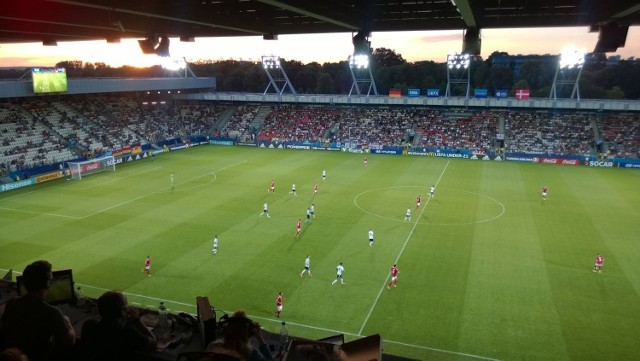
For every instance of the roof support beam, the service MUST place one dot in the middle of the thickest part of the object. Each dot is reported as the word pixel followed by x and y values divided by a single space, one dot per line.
pixel 466 12
pixel 310 14
pixel 156 16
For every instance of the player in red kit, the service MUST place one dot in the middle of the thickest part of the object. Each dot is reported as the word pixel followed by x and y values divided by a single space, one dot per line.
pixel 273 186
pixel 545 190
pixel 394 277
pixel 418 201
pixel 279 300
pixel 599 261
pixel 315 189
pixel 298 227
pixel 147 266
pixel 365 160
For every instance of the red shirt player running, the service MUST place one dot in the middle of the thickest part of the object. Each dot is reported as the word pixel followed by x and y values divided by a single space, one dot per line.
pixel 599 261
pixel 544 192
pixel 278 305
pixel 418 201
pixel 298 227
pixel 147 266
pixel 365 160
pixel 315 189
pixel 273 186
pixel 394 277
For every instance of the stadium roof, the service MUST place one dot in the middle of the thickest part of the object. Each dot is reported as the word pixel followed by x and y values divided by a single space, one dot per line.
pixel 71 20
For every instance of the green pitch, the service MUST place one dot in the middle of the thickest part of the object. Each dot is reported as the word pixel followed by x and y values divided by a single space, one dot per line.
pixel 488 270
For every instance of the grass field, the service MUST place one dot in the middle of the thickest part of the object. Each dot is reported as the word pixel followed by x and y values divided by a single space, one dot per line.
pixel 488 270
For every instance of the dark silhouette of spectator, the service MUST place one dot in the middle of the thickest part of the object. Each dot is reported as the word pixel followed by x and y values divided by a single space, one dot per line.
pixel 118 335
pixel 31 324
pixel 236 340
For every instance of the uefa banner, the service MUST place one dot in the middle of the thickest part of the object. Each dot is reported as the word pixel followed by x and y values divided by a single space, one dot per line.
pixel 433 93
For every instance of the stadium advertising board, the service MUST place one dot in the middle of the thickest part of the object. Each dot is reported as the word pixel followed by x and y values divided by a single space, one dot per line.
pixel 395 151
pixel 628 165
pixel 522 158
pixel 49 176
pixel 413 93
pixel 16 185
pixel 502 93
pixel 559 161
pixel 441 153
pixel 481 93
pixel 220 142
pixel 433 93
pixel 595 163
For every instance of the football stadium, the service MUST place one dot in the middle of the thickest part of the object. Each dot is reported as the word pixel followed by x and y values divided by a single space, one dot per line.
pixel 450 222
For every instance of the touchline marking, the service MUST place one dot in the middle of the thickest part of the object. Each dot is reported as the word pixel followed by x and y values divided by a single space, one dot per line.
pixel 443 351
pixel 278 321
pixel 40 213
pixel 384 283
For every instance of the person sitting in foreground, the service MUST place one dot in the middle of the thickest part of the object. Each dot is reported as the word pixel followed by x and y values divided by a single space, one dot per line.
pixel 32 325
pixel 119 335
pixel 236 340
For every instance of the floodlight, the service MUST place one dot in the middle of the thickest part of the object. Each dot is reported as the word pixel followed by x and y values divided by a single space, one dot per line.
pixel 278 79
pixel 572 58
pixel 458 61
pixel 359 61
pixel 271 61
pixel 174 64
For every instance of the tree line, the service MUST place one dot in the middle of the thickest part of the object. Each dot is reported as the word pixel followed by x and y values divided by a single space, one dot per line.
pixel 390 70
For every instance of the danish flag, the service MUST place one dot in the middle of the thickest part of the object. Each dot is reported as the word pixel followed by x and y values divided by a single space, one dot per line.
pixel 522 94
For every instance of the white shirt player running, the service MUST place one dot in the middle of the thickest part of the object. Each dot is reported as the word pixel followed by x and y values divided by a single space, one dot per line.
pixel 214 250
pixel 339 272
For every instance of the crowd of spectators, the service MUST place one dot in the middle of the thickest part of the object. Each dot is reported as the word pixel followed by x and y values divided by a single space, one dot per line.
pixel 621 133
pixel 239 125
pixel 26 142
pixel 35 132
pixel 298 123
pixel 376 127
pixel 549 133
pixel 470 131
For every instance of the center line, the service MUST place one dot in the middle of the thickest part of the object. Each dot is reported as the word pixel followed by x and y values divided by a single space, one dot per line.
pixel 384 283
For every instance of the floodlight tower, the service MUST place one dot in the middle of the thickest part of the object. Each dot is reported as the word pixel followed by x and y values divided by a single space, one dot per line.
pixel 359 66
pixel 458 71
pixel 278 78
pixel 568 72
pixel 178 66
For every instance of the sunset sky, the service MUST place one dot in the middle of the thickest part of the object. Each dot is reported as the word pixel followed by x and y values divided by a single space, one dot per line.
pixel 413 46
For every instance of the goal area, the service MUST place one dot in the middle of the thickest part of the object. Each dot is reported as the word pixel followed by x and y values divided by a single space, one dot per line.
pixel 78 170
